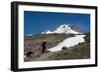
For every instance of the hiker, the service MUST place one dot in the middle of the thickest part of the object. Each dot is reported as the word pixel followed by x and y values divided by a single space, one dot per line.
pixel 29 51
pixel 44 43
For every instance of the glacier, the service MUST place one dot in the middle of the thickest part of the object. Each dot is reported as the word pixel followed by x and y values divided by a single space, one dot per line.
pixel 72 41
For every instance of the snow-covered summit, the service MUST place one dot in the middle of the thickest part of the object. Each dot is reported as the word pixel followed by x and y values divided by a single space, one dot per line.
pixel 65 28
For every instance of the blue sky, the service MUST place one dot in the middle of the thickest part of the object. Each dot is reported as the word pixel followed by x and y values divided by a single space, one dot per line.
pixel 37 22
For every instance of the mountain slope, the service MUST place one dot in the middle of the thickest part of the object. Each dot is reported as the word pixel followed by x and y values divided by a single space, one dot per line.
pixel 72 41
pixel 79 51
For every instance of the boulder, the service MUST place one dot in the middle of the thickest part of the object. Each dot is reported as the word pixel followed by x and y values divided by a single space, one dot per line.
pixel 64 48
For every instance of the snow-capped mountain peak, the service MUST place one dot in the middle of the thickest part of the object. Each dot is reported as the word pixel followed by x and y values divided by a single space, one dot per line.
pixel 65 28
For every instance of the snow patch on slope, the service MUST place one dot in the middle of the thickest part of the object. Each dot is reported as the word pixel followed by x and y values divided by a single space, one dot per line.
pixel 72 41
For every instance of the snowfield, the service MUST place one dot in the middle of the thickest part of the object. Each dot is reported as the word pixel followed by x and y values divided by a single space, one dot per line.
pixel 72 41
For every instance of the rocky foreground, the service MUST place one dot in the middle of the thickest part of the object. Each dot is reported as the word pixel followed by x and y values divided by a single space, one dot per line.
pixel 33 44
